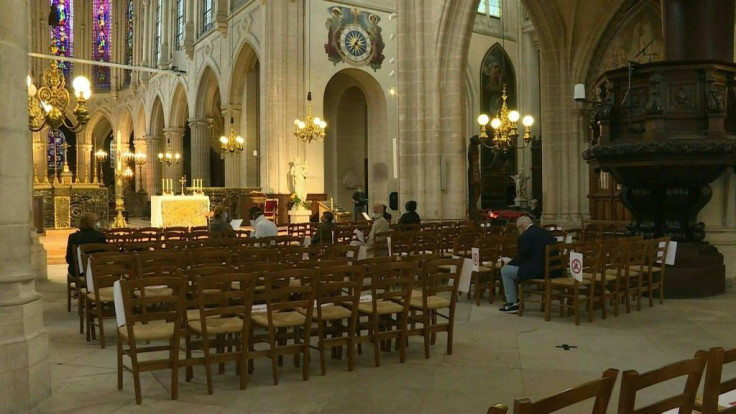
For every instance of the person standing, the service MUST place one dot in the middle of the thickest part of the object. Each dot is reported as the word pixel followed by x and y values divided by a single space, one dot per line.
pixel 89 232
pixel 528 263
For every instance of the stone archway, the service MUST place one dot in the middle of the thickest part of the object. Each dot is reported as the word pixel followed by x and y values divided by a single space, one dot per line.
pixel 245 111
pixel 355 111
pixel 204 127
pixel 157 145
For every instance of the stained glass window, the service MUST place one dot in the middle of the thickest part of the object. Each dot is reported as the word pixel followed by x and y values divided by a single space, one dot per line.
pixel 490 7
pixel 55 150
pixel 179 24
pixel 63 34
pixel 208 15
pixel 128 40
pixel 157 37
pixel 101 42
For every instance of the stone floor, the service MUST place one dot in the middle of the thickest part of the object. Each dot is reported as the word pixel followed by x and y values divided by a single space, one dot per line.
pixel 497 357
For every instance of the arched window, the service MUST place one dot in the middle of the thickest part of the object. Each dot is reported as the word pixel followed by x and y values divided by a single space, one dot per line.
pixel 208 14
pixel 157 37
pixel 129 15
pixel 101 42
pixel 55 151
pixel 179 24
pixel 64 33
pixel 490 8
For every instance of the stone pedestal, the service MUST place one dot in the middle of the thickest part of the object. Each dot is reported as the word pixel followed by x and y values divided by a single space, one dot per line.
pixel 299 216
pixel 698 271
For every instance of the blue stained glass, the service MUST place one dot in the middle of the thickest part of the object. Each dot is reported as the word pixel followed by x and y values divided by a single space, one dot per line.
pixel 63 34
pixel 55 150
pixel 101 42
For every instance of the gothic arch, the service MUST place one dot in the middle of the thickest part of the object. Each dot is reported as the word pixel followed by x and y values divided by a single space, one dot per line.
pixel 208 88
pixel 157 118
pixel 179 110
pixel 496 71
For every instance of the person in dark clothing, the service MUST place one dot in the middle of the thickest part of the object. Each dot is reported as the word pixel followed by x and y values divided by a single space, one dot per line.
pixel 528 263
pixel 324 230
pixel 386 214
pixel 411 216
pixel 359 203
pixel 220 220
pixel 535 210
pixel 89 232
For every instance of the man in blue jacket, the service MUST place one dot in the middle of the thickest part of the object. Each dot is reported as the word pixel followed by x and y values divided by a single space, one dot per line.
pixel 528 263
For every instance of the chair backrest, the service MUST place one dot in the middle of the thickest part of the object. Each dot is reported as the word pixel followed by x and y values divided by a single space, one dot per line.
pixel 157 261
pixel 83 251
pixel 338 285
pixel 290 289
pixel 392 281
pixel 144 309
pixel 714 384
pixel 555 260
pixel 436 278
pixel 242 256
pixel 141 246
pixel 106 268
pixel 225 295
pixel 206 256
pixel 600 389
pixel 632 382
pixel 175 233
pixel 341 250
pixel 658 251
pixel 404 242
pixel 203 272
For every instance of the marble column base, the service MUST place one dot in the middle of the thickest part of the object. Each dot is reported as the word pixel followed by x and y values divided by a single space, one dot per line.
pixel 38 258
pixel 24 357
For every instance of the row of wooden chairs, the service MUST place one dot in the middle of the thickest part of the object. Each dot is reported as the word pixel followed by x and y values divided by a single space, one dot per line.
pixel 272 310
pixel 632 382
pixel 614 271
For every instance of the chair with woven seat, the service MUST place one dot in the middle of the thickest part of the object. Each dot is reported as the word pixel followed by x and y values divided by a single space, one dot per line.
pixel 634 259
pixel 224 305
pixel 337 294
pixel 206 256
pixel 148 321
pixel 149 262
pixel 599 389
pixel 288 318
pixel 715 385
pixel 484 279
pixel 77 283
pixel 570 293
pixel 632 382
pixel 103 269
pixel 655 268
pixel 390 293
pixel 555 265
pixel 439 290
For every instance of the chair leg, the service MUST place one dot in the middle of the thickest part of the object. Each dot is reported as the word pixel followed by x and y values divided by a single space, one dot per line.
pixel 69 295
pixel 175 368
pixel 120 363
pixel 136 378
pixel 80 311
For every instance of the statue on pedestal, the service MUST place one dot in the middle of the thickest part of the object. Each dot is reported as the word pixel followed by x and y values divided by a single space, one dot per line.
pixel 520 180
pixel 298 177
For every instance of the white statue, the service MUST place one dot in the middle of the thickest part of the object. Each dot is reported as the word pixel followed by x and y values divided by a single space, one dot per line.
pixel 298 176
pixel 520 180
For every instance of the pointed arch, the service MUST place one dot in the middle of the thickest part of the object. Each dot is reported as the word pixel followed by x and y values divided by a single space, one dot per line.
pixel 209 86
pixel 496 72
pixel 179 111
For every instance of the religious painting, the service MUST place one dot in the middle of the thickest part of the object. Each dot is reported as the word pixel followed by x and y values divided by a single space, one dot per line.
pixel 354 37
pixel 496 73
pixel 635 35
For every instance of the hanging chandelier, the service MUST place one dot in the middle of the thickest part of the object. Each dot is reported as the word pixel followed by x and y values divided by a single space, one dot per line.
pixel 168 157
pixel 231 143
pixel 310 128
pixel 505 128
pixel 48 104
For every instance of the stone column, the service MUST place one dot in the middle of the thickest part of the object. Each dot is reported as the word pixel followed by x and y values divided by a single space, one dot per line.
pixel 233 160
pixel 24 353
pixel 175 136
pixel 39 157
pixel 84 155
pixel 189 30
pixel 153 169
pixel 145 20
pixel 163 61
pixel 200 150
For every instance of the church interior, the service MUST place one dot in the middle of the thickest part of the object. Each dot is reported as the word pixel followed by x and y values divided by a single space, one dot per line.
pixel 611 123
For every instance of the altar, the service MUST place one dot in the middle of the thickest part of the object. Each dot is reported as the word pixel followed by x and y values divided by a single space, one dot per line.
pixel 177 210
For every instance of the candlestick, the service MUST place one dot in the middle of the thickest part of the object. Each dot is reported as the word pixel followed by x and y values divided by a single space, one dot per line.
pixel 331 205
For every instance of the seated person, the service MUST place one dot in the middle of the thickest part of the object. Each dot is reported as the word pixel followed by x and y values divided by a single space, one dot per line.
pixel 219 221
pixel 386 214
pixel 89 232
pixel 411 216
pixel 324 230
pixel 262 227
pixel 535 210
pixel 380 225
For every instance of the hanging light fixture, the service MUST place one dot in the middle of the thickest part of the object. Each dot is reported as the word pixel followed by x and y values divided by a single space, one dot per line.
pixel 505 124
pixel 231 143
pixel 168 157
pixel 47 105
pixel 310 128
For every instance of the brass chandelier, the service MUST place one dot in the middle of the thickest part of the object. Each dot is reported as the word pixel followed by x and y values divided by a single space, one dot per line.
pixel 311 128
pixel 232 143
pixel 47 105
pixel 505 128
pixel 168 157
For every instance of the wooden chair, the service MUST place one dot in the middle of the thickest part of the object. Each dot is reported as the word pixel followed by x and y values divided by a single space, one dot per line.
pixel 611 267
pixel 289 306
pixel 76 284
pixel 714 384
pixel 141 246
pixel 337 294
pixel 150 320
pixel 175 233
pixel 555 265
pixel 207 256
pixel 634 260
pixel 150 262
pixel 271 209
pixel 488 269
pixel 145 235
pixel 104 270
pixel 243 256
pixel 224 303
pixel 655 268
pixel 404 243
pixel 390 287
pixel 334 251
pixel 632 382
pixel 600 389
pixel 439 290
